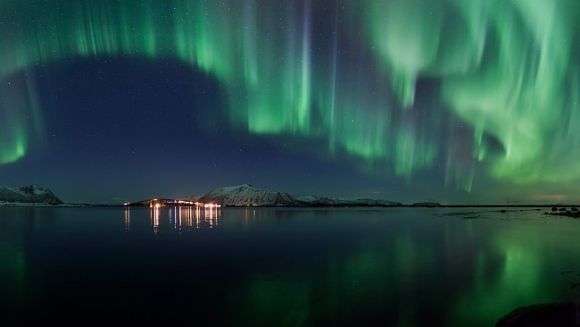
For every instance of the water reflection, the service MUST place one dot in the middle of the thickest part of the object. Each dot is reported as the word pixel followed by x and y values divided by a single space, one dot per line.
pixel 18 227
pixel 418 272
pixel 296 267
pixel 127 221
pixel 178 218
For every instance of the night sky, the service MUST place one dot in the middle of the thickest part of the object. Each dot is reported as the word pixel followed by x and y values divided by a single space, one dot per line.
pixel 463 101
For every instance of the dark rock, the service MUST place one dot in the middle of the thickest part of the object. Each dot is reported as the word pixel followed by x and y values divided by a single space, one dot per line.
pixel 571 214
pixel 540 315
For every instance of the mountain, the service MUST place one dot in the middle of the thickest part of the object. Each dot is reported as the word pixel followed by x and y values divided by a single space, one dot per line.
pixel 32 194
pixel 426 204
pixel 247 195
pixel 322 201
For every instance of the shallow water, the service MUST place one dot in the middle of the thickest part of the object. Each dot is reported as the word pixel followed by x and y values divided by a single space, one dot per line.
pixel 283 267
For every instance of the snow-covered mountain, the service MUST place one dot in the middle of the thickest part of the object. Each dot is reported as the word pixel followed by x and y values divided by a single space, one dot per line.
pixel 28 194
pixel 426 204
pixel 322 201
pixel 247 195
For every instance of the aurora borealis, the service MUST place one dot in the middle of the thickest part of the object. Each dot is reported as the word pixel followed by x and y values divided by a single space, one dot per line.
pixel 472 93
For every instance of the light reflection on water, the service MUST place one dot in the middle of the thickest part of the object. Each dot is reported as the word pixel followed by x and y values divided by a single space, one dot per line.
pixel 401 267
pixel 179 218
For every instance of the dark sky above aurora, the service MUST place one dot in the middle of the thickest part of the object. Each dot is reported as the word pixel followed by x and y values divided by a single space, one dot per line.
pixel 451 100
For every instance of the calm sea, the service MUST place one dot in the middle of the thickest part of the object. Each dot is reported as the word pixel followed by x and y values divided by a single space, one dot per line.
pixel 283 267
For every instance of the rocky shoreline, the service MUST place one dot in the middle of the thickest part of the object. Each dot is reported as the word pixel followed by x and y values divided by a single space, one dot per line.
pixel 572 212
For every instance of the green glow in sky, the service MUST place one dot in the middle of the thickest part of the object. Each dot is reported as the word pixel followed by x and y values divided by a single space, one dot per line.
pixel 503 72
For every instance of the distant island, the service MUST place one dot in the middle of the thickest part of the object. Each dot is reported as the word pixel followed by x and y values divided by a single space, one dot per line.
pixel 246 195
